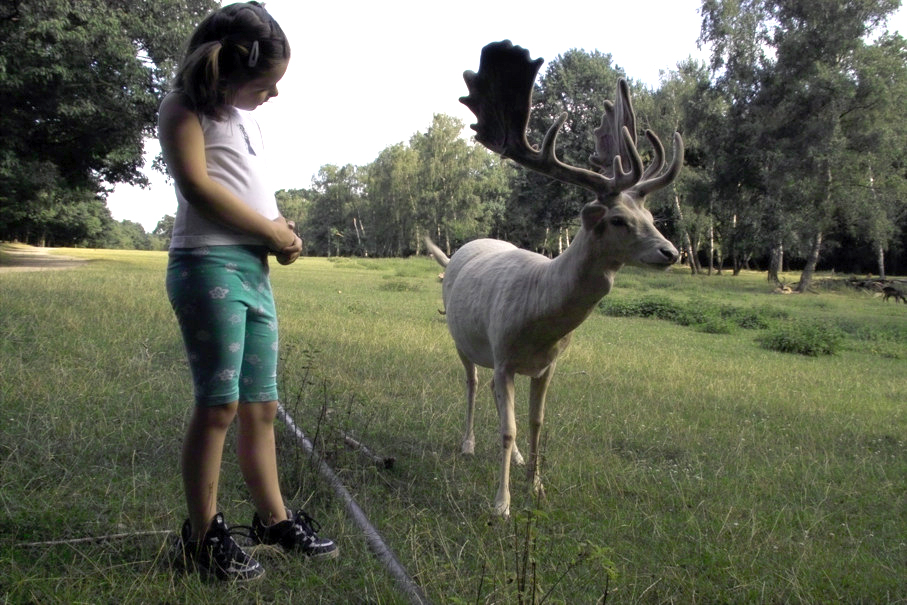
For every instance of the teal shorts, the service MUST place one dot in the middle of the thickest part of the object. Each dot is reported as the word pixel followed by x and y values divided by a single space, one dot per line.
pixel 223 302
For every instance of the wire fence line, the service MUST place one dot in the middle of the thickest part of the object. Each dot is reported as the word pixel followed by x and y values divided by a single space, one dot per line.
pixel 376 542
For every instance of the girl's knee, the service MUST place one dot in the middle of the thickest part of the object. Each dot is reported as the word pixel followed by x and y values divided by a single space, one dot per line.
pixel 258 412
pixel 217 417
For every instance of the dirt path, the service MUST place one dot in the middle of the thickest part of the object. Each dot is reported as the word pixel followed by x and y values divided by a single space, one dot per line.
pixel 27 258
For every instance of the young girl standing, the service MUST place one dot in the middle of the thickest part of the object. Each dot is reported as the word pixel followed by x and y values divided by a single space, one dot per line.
pixel 227 222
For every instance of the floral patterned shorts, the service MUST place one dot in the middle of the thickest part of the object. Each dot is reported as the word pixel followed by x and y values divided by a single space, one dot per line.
pixel 223 301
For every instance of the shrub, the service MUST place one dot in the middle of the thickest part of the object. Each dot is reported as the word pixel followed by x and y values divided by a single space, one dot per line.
pixel 803 337
pixel 705 316
pixel 715 324
pixel 399 285
pixel 656 307
pixel 754 319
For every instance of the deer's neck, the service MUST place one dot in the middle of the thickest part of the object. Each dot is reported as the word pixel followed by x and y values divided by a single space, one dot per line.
pixel 577 279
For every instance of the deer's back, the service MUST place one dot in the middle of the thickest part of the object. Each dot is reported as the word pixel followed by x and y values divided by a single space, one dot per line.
pixel 489 296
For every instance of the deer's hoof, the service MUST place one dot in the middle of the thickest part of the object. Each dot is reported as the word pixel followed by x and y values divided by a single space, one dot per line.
pixel 537 488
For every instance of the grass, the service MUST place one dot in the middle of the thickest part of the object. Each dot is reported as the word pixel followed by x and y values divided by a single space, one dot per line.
pixel 681 464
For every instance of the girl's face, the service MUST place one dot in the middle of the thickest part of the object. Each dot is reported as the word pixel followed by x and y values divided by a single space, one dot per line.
pixel 250 95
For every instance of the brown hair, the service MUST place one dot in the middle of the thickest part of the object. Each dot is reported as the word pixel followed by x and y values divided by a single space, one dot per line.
pixel 231 46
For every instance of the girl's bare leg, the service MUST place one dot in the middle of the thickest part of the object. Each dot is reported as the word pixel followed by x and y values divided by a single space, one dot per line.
pixel 257 453
pixel 203 449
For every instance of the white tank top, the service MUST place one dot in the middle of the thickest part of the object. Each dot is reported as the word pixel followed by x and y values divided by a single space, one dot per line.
pixel 234 155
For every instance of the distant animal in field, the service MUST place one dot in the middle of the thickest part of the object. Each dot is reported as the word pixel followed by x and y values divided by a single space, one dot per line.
pixel 514 310
pixel 889 291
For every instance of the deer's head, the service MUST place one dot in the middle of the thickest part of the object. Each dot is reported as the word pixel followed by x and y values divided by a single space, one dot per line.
pixel 617 221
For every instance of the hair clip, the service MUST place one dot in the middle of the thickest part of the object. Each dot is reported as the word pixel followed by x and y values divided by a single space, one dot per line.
pixel 253 54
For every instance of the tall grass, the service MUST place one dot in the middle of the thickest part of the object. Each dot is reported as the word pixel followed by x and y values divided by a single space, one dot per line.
pixel 681 465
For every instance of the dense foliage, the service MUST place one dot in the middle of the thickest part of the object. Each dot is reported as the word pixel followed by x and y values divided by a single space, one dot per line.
pixel 794 133
pixel 80 84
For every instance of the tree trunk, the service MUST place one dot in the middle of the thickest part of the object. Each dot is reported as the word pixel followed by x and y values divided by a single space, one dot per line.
pixel 358 235
pixel 711 246
pixel 695 258
pixel 806 277
pixel 880 256
pixel 687 244
pixel 776 263
pixel 880 249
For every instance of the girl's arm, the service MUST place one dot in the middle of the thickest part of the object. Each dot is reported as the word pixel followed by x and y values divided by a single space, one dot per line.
pixel 183 146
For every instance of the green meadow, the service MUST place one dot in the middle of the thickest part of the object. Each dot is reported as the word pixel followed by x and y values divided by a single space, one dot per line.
pixel 706 441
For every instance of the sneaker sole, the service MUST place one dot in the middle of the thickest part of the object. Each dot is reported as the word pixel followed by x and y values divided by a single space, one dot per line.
pixel 324 556
pixel 187 566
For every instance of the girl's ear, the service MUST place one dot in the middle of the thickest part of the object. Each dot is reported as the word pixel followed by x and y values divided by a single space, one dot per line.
pixel 593 213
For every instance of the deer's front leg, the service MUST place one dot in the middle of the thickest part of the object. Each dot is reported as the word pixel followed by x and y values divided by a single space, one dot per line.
pixel 503 396
pixel 515 456
pixel 468 445
pixel 538 389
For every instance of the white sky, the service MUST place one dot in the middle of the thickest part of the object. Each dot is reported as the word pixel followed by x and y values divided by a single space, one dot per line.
pixel 366 74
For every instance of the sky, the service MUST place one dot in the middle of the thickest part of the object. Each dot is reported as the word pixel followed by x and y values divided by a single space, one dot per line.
pixel 366 75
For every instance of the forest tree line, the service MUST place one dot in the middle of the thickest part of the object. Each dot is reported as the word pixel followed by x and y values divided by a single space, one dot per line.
pixel 796 144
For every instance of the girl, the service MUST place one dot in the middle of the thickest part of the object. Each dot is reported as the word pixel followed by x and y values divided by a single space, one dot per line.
pixel 217 281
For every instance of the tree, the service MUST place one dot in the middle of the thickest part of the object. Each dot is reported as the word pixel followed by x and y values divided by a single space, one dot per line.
pixel 740 150
pixel 294 205
pixel 788 74
pixel 812 89
pixel 686 102
pixel 163 232
pixel 447 206
pixel 875 178
pixel 333 225
pixel 80 83
pixel 392 186
pixel 127 235
pixel 82 219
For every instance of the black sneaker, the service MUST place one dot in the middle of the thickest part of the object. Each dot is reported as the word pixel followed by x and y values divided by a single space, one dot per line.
pixel 297 534
pixel 218 555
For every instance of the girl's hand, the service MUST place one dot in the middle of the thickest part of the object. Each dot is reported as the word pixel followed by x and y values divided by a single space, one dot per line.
pixel 289 254
pixel 284 235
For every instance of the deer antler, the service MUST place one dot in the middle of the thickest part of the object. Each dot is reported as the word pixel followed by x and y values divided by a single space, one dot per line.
pixel 500 96
pixel 650 182
pixel 620 116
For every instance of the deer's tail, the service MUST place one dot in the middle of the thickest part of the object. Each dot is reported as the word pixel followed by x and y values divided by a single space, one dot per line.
pixel 436 252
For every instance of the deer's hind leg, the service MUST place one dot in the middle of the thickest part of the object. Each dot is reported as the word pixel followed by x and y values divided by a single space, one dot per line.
pixel 468 444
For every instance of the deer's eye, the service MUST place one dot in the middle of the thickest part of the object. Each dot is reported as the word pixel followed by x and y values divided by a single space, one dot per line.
pixel 618 221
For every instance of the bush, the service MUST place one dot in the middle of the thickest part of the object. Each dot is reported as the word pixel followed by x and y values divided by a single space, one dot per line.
pixel 656 307
pixel 803 337
pixel 715 324
pixel 704 316
pixel 399 285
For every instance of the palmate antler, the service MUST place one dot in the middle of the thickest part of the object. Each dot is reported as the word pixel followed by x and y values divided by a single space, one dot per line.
pixel 500 96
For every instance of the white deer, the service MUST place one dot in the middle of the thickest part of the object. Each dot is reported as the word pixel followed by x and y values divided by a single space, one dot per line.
pixel 514 310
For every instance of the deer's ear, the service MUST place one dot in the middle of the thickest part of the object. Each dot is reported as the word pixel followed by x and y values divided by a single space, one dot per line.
pixel 593 213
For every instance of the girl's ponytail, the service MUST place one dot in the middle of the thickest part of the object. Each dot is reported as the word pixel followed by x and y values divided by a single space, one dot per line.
pixel 199 75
